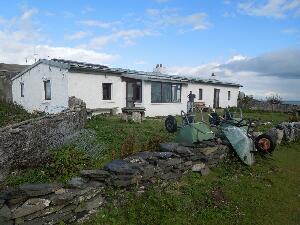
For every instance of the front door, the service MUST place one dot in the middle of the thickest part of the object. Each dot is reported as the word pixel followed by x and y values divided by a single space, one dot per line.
pixel 216 98
pixel 133 92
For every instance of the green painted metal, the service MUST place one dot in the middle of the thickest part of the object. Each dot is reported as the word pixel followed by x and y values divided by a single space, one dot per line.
pixel 241 143
pixel 193 133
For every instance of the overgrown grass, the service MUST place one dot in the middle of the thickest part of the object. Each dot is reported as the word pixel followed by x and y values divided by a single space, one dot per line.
pixel 64 163
pixel 113 138
pixel 121 138
pixel 267 193
pixel 12 113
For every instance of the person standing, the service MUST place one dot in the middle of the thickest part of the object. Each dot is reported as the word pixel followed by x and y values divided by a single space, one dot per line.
pixel 190 104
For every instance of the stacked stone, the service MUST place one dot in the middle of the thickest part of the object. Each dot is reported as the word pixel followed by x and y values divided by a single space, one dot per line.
pixel 82 196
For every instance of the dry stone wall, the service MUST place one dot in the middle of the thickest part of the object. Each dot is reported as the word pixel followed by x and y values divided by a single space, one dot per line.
pixel 31 204
pixel 37 204
pixel 28 143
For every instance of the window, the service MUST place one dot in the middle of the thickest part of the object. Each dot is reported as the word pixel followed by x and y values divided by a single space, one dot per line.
pixel 229 95
pixel 47 89
pixel 165 92
pixel 200 94
pixel 106 87
pixel 22 89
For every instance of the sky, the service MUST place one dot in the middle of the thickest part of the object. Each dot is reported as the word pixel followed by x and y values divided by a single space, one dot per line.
pixel 253 43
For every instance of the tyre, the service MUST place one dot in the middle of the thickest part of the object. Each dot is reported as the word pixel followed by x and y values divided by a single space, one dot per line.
pixel 171 124
pixel 264 143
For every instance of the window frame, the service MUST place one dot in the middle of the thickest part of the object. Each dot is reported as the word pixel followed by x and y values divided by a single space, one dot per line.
pixel 200 89
pixel 172 93
pixel 109 93
pixel 48 98
pixel 22 89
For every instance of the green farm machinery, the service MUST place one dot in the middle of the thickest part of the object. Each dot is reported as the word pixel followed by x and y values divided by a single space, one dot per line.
pixel 237 131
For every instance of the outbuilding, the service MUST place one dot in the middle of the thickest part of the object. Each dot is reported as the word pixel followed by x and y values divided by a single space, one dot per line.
pixel 47 85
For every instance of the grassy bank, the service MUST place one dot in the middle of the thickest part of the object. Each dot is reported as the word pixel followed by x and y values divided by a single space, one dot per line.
pixel 267 193
pixel 11 113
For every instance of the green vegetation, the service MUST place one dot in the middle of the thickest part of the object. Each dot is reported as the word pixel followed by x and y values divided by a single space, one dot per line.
pixel 64 163
pixel 113 138
pixel 267 193
pixel 12 113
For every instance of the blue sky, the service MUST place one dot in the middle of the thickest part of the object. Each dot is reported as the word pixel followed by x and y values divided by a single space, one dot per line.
pixel 255 43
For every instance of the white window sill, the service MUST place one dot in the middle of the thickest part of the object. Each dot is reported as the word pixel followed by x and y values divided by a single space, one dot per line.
pixel 46 101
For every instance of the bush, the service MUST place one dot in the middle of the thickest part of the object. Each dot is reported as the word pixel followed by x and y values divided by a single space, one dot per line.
pixel 153 143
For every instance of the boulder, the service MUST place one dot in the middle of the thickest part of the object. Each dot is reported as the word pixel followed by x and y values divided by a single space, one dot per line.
pixel 209 150
pixel 5 213
pixel 30 206
pixel 93 203
pixel 121 167
pixel 77 182
pixel 34 190
pixel 205 171
pixel 198 167
pixel 99 175
pixel 168 147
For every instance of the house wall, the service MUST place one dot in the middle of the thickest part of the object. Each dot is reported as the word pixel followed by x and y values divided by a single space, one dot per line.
pixel 88 87
pixel 34 95
pixel 163 109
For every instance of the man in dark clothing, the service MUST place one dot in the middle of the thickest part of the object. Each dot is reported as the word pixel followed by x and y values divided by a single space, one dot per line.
pixel 191 96
pixel 190 104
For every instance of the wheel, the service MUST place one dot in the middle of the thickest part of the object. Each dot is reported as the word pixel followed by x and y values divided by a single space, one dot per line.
pixel 171 124
pixel 264 143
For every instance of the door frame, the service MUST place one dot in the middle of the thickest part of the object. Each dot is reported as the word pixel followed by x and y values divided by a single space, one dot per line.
pixel 216 102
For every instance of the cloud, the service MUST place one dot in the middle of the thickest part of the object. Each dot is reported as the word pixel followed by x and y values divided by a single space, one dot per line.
pixel 290 31
pixel 27 14
pixel 98 23
pixel 283 64
pixel 127 37
pixel 76 36
pixel 87 9
pixel 21 42
pixel 170 17
pixel 276 72
pixel 271 8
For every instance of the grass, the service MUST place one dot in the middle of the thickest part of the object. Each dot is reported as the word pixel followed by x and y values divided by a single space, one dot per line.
pixel 112 137
pixel 267 193
pixel 12 113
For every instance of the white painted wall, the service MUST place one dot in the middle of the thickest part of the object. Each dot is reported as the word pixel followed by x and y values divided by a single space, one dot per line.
pixel 34 95
pixel 88 87
pixel 164 109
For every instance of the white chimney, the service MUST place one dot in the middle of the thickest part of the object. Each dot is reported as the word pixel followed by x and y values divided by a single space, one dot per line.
pixel 159 68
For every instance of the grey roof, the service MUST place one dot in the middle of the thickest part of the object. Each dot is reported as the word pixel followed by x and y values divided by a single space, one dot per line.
pixel 74 66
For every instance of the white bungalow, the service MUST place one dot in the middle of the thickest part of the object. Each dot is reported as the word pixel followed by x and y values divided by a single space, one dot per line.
pixel 47 85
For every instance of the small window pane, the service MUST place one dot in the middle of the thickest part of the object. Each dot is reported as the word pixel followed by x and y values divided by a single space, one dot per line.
pixel 106 91
pixel 47 89
pixel 176 93
pixel 166 92
pixel 229 95
pixel 155 92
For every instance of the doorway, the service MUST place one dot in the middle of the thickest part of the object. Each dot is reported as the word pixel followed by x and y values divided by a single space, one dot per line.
pixel 216 98
pixel 133 92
